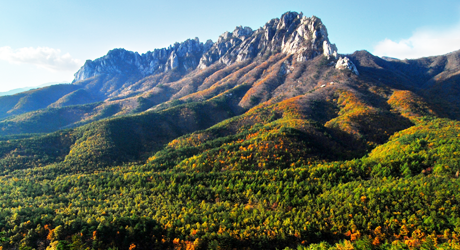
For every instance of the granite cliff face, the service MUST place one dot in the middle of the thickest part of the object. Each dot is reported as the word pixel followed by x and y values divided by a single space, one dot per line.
pixel 121 61
pixel 344 63
pixel 293 33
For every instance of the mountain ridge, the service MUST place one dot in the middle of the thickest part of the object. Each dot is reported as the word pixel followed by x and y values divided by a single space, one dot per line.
pixel 120 79
pixel 286 34
pixel 286 57
pixel 19 90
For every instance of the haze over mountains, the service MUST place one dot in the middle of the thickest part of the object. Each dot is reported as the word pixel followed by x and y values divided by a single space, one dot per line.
pixel 19 90
pixel 278 104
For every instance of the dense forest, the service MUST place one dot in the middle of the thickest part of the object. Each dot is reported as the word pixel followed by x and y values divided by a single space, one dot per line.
pixel 272 178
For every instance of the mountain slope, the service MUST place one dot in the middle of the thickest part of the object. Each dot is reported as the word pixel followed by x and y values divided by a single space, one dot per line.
pixel 124 76
pixel 435 77
pixel 276 58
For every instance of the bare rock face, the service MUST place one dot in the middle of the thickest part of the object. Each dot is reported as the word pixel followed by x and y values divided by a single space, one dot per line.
pixel 329 49
pixel 184 55
pixel 346 64
pixel 242 33
pixel 173 61
pixel 293 33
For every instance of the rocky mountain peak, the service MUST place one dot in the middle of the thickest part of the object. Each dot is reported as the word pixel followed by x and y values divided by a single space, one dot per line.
pixel 242 33
pixel 293 33
pixel 239 33
pixel 287 19
pixel 183 55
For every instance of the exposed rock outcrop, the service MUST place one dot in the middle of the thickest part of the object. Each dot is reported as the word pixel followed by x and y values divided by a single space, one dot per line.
pixel 293 33
pixel 184 55
pixel 329 49
pixel 344 63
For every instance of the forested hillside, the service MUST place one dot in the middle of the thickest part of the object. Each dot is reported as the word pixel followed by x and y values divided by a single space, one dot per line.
pixel 283 145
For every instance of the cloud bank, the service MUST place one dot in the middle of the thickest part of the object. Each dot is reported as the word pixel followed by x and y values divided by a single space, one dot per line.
pixel 42 57
pixel 424 42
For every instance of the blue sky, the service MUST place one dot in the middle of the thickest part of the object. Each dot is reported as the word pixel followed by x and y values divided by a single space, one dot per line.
pixel 49 40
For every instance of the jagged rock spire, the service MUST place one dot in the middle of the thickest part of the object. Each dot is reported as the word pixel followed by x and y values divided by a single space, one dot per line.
pixel 118 61
pixel 293 33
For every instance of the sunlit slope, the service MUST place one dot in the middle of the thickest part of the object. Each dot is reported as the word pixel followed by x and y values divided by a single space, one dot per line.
pixel 123 139
pixel 298 131
pixel 273 78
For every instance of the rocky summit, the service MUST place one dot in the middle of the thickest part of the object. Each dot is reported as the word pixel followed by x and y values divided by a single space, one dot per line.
pixel 303 37
pixel 119 61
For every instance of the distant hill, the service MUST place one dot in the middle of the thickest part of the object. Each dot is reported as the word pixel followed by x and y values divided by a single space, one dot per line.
pixel 19 90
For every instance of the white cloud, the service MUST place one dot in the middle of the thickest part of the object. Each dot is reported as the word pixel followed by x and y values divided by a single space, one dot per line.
pixel 42 57
pixel 423 42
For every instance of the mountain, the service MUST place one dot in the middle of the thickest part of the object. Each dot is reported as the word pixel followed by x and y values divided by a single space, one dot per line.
pixel 14 91
pixel 124 82
pixel 264 139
